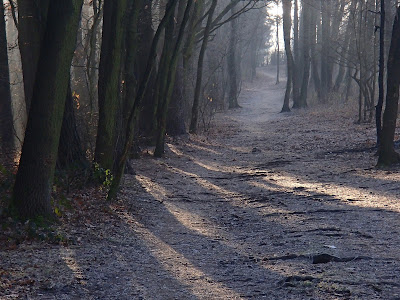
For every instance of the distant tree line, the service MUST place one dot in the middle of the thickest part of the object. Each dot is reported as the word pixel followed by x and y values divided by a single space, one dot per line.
pixel 337 49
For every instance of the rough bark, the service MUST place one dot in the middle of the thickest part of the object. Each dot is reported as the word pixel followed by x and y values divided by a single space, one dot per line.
pixel 6 116
pixel 32 17
pixel 33 184
pixel 379 105
pixel 109 81
pixel 70 151
pixel 387 154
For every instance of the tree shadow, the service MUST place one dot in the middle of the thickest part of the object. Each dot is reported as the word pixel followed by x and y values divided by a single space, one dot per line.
pixel 303 220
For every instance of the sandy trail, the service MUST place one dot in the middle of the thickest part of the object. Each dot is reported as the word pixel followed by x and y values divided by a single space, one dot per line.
pixel 242 214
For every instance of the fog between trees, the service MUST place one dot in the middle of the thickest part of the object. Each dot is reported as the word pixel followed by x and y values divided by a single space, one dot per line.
pixel 92 81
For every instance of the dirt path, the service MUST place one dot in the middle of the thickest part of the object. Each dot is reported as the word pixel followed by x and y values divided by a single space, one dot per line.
pixel 241 214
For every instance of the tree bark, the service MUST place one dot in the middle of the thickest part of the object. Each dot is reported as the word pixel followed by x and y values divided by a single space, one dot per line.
pixel 32 17
pixel 33 184
pixel 387 154
pixel 277 52
pixel 196 100
pixel 6 116
pixel 172 65
pixel 306 26
pixel 70 151
pixel 287 27
pixel 232 66
pixel 379 105
pixel 325 52
pixel 109 81
pixel 139 98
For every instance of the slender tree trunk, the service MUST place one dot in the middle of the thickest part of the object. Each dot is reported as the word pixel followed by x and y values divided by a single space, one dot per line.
pixel 325 77
pixel 109 81
pixel 296 48
pixel 33 184
pixel 296 58
pixel 6 116
pixel 277 51
pixel 139 98
pixel 145 38
pixel 344 50
pixel 313 45
pixel 387 154
pixel 196 100
pixel 162 117
pixel 287 27
pixel 306 26
pixel 232 65
pixel 379 105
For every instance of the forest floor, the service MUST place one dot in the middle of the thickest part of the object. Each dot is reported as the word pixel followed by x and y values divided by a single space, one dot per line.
pixel 266 206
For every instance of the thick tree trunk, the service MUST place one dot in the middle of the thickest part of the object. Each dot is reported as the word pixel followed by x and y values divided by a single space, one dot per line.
pixel 31 24
pixel 197 96
pixel 287 27
pixel 379 105
pixel 33 184
pixel 70 151
pixel 6 116
pixel 109 81
pixel 387 154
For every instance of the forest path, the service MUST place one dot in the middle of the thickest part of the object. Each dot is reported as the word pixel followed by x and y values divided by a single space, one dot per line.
pixel 241 213
pixel 244 212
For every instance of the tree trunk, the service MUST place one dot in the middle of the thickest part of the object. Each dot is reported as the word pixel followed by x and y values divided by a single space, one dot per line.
pixel 70 151
pixel 344 49
pixel 6 116
pixel 145 37
pixel 196 100
pixel 314 55
pixel 172 65
pixel 277 52
pixel 232 65
pixel 31 24
pixel 287 27
pixel 306 26
pixel 139 98
pixel 325 52
pixel 109 81
pixel 387 154
pixel 379 105
pixel 33 184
